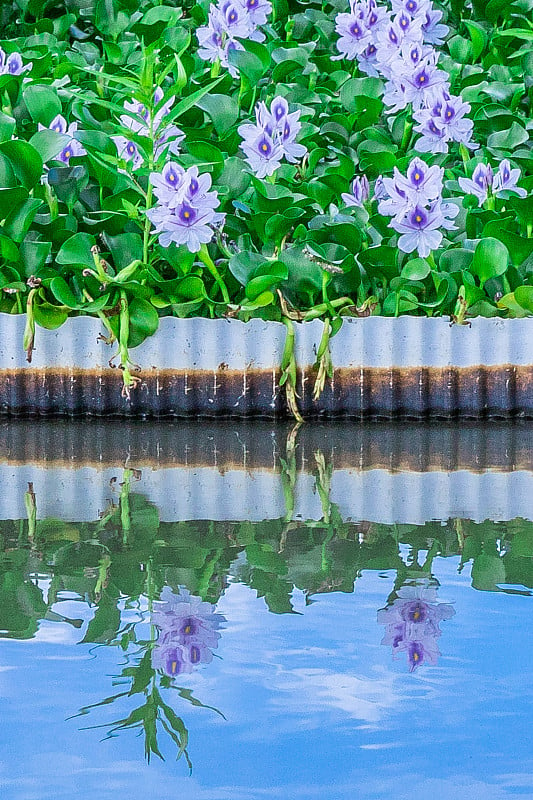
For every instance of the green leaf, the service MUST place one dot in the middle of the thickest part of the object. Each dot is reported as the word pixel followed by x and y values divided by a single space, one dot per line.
pixel 48 316
pixel 7 127
pixel 63 293
pixel 8 249
pixel 507 140
pixel 416 270
pixel 223 110
pixel 243 265
pixel 77 250
pixel 456 259
pixel 33 256
pixel 49 144
pixel 515 33
pixel 125 248
pixel 524 297
pixel 42 102
pixel 144 321
pixel 26 162
pixel 491 258
pixel 19 220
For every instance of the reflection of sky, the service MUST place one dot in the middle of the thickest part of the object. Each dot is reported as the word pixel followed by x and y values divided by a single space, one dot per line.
pixel 315 707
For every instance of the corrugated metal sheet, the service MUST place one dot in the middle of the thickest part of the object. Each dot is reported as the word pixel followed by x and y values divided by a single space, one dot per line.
pixel 406 367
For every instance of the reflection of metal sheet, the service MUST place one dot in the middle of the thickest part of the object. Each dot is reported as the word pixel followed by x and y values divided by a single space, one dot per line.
pixel 405 367
pixel 182 493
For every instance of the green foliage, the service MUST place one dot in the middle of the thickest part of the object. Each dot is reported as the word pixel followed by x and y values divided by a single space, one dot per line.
pixel 78 225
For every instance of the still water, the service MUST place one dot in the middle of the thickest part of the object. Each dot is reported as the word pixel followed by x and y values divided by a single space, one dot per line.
pixel 246 612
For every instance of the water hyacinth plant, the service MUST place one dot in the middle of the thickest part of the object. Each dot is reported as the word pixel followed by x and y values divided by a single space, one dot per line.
pixel 243 159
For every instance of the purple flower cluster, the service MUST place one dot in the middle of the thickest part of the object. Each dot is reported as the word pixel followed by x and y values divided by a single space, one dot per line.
pixel 272 137
pixel 484 180
pixel 73 148
pixel 414 202
pixel 187 632
pixel 412 624
pixel 441 121
pixel 166 136
pixel 185 212
pixel 12 64
pixel 397 46
pixel 229 21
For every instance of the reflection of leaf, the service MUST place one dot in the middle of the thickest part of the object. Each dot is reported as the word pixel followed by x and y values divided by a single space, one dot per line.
pixel 277 592
pixel 105 623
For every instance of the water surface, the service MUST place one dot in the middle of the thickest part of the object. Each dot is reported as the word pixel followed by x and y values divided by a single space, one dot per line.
pixel 341 612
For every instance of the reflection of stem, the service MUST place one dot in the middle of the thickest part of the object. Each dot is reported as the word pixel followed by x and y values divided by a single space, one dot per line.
pixel 323 484
pixel 31 512
pixel 124 503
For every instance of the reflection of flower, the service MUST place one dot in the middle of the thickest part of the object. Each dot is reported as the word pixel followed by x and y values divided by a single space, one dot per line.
pixel 187 632
pixel 412 623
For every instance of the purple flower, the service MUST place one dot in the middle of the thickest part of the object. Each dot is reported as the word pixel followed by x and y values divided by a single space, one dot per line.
pixel 186 210
pixel 166 136
pixel 505 180
pixel 412 624
pixel 12 64
pixel 432 31
pixel 263 154
pixel 479 184
pixel 258 10
pixel 229 21
pixel 354 36
pixel 272 137
pixel 73 148
pixel 420 186
pixel 419 230
pixel 359 194
pixel 414 8
pixel 416 86
pixel 128 150
pixel 443 120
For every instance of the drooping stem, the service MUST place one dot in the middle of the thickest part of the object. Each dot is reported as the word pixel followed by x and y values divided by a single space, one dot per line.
pixel 211 266
pixel 29 330
pixel 288 370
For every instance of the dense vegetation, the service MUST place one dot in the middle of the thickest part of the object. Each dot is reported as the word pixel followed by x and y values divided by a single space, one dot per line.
pixel 288 160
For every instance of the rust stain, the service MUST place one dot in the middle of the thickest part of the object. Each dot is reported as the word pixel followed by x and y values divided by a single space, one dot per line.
pixel 479 392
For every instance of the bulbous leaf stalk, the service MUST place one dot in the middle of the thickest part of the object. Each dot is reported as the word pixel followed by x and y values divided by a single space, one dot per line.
pixel 288 371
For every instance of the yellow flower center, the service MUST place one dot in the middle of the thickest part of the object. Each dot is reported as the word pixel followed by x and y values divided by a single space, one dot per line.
pixel 264 147
pixel 173 667
pixel 416 657
pixel 67 154
pixel 186 214
pixel 417 176
pixel 187 628
pixel 418 218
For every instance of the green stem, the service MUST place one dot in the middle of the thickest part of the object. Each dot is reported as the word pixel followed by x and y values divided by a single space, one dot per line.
pixel 208 261
pixel 322 308
pixel 406 138
pixel 465 155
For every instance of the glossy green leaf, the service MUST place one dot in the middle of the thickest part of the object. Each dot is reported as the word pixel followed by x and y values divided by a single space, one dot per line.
pixel 491 258
pixel 42 102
